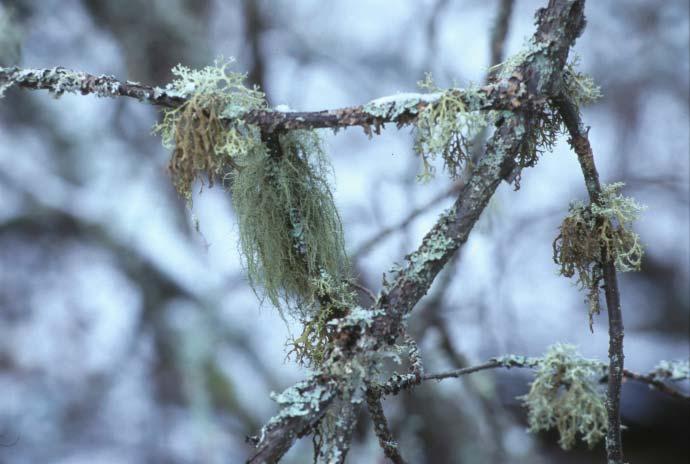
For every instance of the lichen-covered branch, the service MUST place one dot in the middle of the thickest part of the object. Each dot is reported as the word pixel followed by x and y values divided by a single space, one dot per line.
pixel 580 144
pixel 542 67
pixel 652 379
pixel 400 109
pixel 359 335
pixel 381 429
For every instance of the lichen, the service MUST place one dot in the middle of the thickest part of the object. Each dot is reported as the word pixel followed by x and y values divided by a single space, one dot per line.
pixel 672 370
pixel 579 86
pixel 201 142
pixel 290 231
pixel 394 106
pixel 446 128
pixel 330 300
pixel 593 234
pixel 565 394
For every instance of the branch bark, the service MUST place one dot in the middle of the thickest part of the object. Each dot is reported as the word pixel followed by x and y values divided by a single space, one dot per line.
pixel 400 109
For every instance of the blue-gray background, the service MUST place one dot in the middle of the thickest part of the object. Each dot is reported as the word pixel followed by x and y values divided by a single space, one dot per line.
pixel 128 336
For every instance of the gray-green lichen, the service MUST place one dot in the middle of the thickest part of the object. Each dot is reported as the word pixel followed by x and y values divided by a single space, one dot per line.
pixel 394 106
pixel 580 87
pixel 437 244
pixel 595 233
pixel 514 360
pixel 565 394
pixel 446 128
pixel 291 235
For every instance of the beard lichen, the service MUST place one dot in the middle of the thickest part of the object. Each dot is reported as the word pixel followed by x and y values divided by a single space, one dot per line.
pixel 593 234
pixel 446 127
pixel 201 140
pixel 290 231
pixel 566 394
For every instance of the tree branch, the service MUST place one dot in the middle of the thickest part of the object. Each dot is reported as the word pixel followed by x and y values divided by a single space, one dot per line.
pixel 359 335
pixel 400 109
pixel 579 141
pixel 513 361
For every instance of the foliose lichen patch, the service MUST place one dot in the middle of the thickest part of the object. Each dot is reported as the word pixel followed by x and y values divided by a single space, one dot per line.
pixel 566 395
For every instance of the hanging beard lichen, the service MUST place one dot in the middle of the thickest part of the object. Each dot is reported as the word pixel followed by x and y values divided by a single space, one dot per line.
pixel 291 238
pixel 593 234
pixel 290 230
pixel 200 133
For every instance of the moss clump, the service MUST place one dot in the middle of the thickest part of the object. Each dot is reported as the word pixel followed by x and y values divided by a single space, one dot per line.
pixel 290 230
pixel 445 127
pixel 593 234
pixel 202 142
pixel 565 394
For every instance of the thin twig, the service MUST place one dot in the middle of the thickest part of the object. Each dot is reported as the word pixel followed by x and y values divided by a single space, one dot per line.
pixel 655 383
pixel 364 290
pixel 579 141
pixel 372 241
pixel 509 362
pixel 381 429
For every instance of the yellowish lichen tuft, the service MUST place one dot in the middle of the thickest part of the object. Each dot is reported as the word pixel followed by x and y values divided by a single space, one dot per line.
pixel 331 300
pixel 566 395
pixel 201 140
pixel 593 234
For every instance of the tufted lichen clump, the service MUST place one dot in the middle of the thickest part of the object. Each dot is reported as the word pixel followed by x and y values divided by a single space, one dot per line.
pixel 566 394
pixel 331 300
pixel 580 87
pixel 591 235
pixel 446 127
pixel 202 142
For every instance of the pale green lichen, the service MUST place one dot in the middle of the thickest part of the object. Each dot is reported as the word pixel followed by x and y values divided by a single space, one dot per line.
pixel 580 87
pixel 394 106
pixel 290 231
pixel 202 142
pixel 446 128
pixel 437 245
pixel 565 394
pixel 595 233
